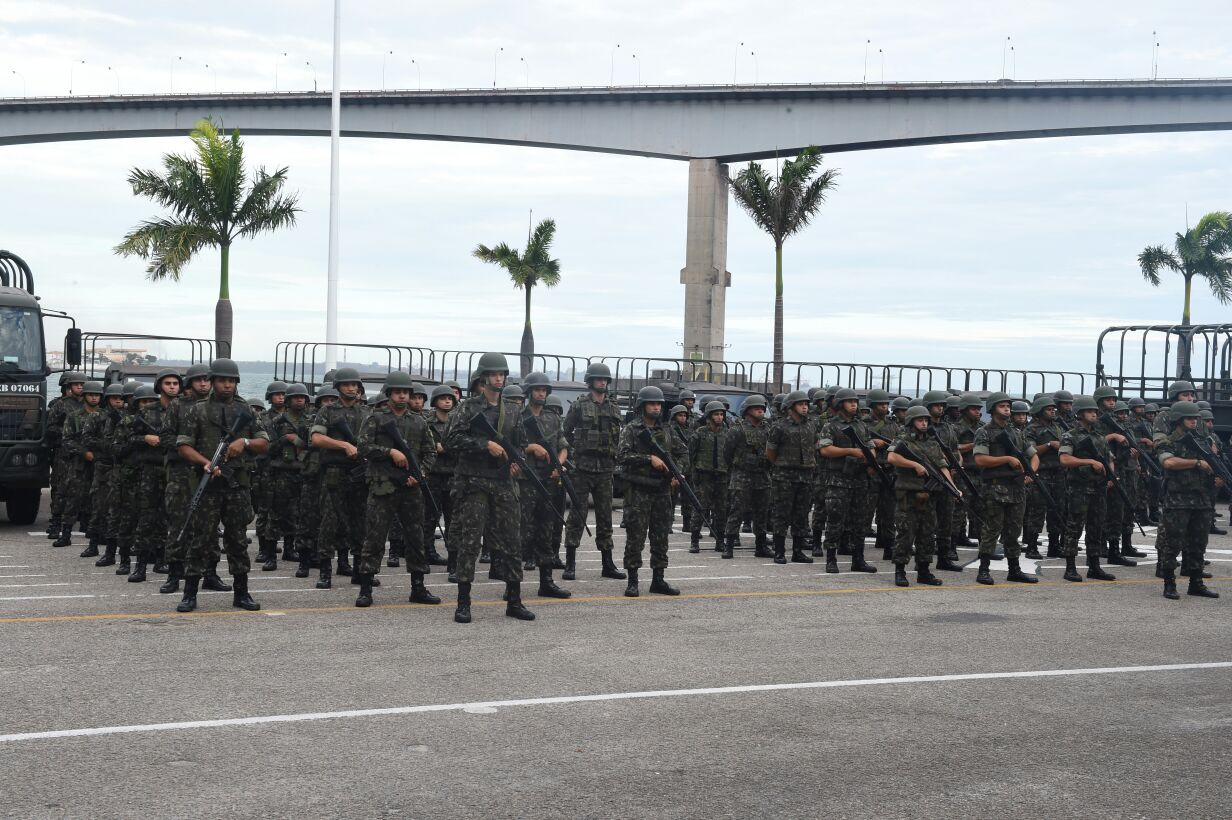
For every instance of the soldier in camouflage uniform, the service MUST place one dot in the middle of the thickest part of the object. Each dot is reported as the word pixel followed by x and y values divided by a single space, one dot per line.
pixel 681 426
pixel 1140 432
pixel 791 449
pixel 485 496
pixel 538 518
pixel 709 474
pixel 124 509
pixel 151 525
pixel 1186 505
pixel 78 463
pixel 915 511
pixel 1065 409
pixel 883 428
pixel 847 481
pixel 96 439
pixel 1087 489
pixel 748 484
pixel 1144 430
pixel 1045 434
pixel 309 527
pixel 1003 487
pixel 263 484
pixel 343 479
pixel 592 428
pixel 393 492
pixel 820 409
pixel 227 499
pixel 181 478
pixel 962 531
pixel 648 490
pixel 62 467
pixel 938 403
pixel 1119 516
pixel 288 447
pixel 439 478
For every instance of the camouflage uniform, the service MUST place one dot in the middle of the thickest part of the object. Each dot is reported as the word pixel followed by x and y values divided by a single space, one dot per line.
pixel 538 521
pixel 179 480
pixel 1187 512
pixel 846 486
pixel 439 478
pixel 97 440
pixel 1086 494
pixel 79 473
pixel 62 468
pixel 709 478
pixel 944 503
pixel 791 477
pixel 343 484
pixel 151 529
pixel 389 497
pixel 915 510
pixel 748 484
pixel 648 497
pixel 263 490
pixel 286 469
pixel 124 486
pixel 682 433
pixel 1051 475
pixel 1118 516
pixel 593 432
pixel 1003 490
pixel 882 499
pixel 964 432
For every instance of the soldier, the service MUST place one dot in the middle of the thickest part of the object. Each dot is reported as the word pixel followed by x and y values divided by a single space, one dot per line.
pixel 748 484
pixel 1019 410
pixel 1155 487
pixel 1186 506
pixel 539 511
pixel 1045 434
pixel 288 448
pixel 1087 486
pixel 953 415
pixel 555 405
pixel 392 491
pixel 343 478
pixel 899 408
pixel 124 481
pixel 97 441
pixel 485 500
pixel 883 428
pixel 819 412
pixel 71 385
pixel 709 474
pixel 1065 408
pixel 263 484
pixel 969 423
pixel 79 467
pixel 457 391
pixel 1177 391
pixel 592 427
pixel 181 479
pixel 308 530
pixel 1119 526
pixel 791 449
pixel 439 477
pixel 688 400
pixel 227 499
pixel 914 509
pixel 1147 510
pixel 938 403
pixel 513 394
pixel 1002 485
pixel 1206 431
pixel 648 486
pixel 847 482
pixel 150 525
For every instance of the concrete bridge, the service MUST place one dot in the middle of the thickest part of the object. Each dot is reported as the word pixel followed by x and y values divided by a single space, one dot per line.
pixel 706 126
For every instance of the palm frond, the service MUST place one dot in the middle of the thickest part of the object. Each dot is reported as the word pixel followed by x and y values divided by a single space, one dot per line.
pixel 168 244
pixel 1154 259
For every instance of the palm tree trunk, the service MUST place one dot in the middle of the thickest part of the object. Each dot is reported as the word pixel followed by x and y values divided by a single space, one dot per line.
pixel 1182 346
pixel 528 339
pixel 778 316
pixel 222 310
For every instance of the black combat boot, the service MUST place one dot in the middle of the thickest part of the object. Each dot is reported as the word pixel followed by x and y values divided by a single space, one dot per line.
pixel 1016 573
pixel 695 542
pixel 1071 570
pixel 91 549
pixel 264 549
pixel 556 562
pixel 289 553
pixel 65 539
pixel 1170 588
pixel 325 579
pixel 887 552
pixel 1199 589
pixel 434 557
pixel 832 560
pixel 213 582
pixel 420 594
pixel 496 569
pixel 761 547
pixel 396 550
pixel 462 613
pixel 514 608
pixel 240 598
pixel 609 566
pixel 174 573
pixel 1095 572
pixel 818 547
pixel 1115 557
pixel 944 562
pixel 1054 546
pixel 984 576
pixel 570 572
pixel 1129 551
pixel 1152 515
pixel 923 576
pixel 844 548
pixel 485 557
pixel 109 554
pixel 125 565
pixel 798 555
pixel 961 541
pixel 1031 550
pixel 858 564
pixel 728 547
pixel 365 589
pixel 344 566
pixel 137 573
pixel 159 561
pixel 780 549
pixel 900 576
pixel 302 570
pixel 271 560
pixel 659 585
pixel 950 551
pixel 372 579
pixel 451 571
pixel 631 587
pixel 1215 530
pixel 189 602
pixel 548 588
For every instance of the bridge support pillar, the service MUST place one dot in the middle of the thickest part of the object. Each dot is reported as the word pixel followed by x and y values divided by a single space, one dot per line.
pixel 705 276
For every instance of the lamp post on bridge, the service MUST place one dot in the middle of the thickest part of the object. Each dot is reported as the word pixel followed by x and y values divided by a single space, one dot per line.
pixel 22 77
pixel 313 69
pixel 72 66
pixel 611 80
pixel 174 60
pixel 384 57
pixel 638 61
pixel 495 57
pixel 526 64
pixel 277 62
pixel 117 78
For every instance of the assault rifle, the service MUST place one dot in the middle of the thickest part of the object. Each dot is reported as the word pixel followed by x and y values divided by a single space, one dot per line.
pixel 938 477
pixel 1008 443
pixel 484 426
pixel 1088 444
pixel 531 425
pixel 654 447
pixel 220 453
pixel 359 471
pixel 1217 466
pixel 413 469
pixel 1147 458
pixel 955 464
pixel 870 457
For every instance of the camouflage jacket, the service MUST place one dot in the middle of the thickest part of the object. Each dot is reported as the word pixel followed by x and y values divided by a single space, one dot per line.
pixel 148 422
pixel 284 454
pixel 989 442
pixel 58 411
pixel 471 445
pixel 173 422
pixel 549 425
pixel 844 470
pixel 1125 463
pixel 886 427
pixel 633 456
pixel 593 431
pixel 744 451
pixel 208 422
pixel 921 445
pixel 794 444
pixel 1041 431
pixel 446 459
pixel 1080 443
pixel 74 442
pixel 706 450
pixel 1183 489
pixel 341 423
pixel 375 442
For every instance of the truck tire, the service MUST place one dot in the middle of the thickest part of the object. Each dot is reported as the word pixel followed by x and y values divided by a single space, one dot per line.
pixel 23 506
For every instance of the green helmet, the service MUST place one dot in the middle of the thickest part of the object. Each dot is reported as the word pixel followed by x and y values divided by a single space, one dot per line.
pixel 649 393
pixel 1020 407
pixel 343 375
pixel 997 398
pixel 512 392
pixel 845 394
pixel 900 403
pixel 165 373
pixel 378 399
pixel 113 389
pixel 795 397
pixel 918 412
pixel 1152 407
pixel 196 371
pixel 1178 387
pixel 813 391
pixel 597 370
pixel 418 389
pixel 454 384
pixel 970 400
pixel 224 368
pixel 878 397
pixel 253 402
pixel 1184 410
pixel 275 387
pixel 1137 401
pixel 1121 407
pixel 937 397
pixel 72 377
pixel 93 387
pixel 1203 405
pixel 1104 391
pixel 679 408
pixel 1063 396
pixel 491 363
pixel 1042 403
pixel 439 391
pixel 916 402
pixel 751 402
pixel 686 394
pixel 536 379
pixel 398 380
pixel 145 391
pixel 1084 403
pixel 953 403
pixel 327 393
pixel 555 403
pixel 130 387
pixel 297 389
pixel 1206 415
pixel 715 407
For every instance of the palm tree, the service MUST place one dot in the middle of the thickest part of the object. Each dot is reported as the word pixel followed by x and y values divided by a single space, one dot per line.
pixel 211 205
pixel 534 266
pixel 782 207
pixel 1201 251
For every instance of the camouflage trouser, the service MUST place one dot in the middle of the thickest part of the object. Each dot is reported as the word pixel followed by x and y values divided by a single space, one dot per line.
pixel 915 527
pixel 485 513
pixel 883 501
pixel 177 494
pixel 943 512
pixel 263 502
pixel 439 484
pixel 100 502
pixel 404 505
pixel 711 490
pixel 232 507
pixel 686 510
pixel 309 526
pixel 1085 511
pixel 1002 513
pixel 537 521
pixel 1119 517
pixel 61 467
pixel 818 503
pixel 596 486
pixel 647 512
pixel 1154 492
pixel 1038 514
pixel 845 516
pixel 748 497
pixel 960 524
pixel 284 503
pixel 124 510
pixel 792 492
pixel 151 532
pixel 1185 533
pixel 75 491
pixel 343 501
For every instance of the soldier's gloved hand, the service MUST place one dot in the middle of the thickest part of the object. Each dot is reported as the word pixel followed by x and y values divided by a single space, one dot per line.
pixel 496 451
pixel 397 458
pixel 658 464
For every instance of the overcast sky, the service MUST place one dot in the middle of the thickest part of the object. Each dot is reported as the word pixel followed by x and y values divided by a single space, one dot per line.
pixel 1008 254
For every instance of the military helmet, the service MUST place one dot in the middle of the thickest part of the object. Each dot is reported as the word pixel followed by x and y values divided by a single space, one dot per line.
pixel 343 375
pixel 453 384
pixel 715 407
pixel 649 393
pixel 224 368
pixel 1178 387
pixel 1152 407
pixel 1121 407
pixel 397 380
pixel 794 397
pixel 93 387
pixel 1137 401
pixel 276 386
pixel 491 363
pixel 1184 410
pixel 73 377
pixel 878 397
pixel 900 403
pixel 145 391
pixel 377 399
pixel 512 392
pixel 1020 407
pixel 969 400
pixel 937 397
pixel 61 381
pixel 536 379
pixel 441 390
pixel 418 389
pixel 994 399
pixel 679 408
pixel 1063 396
pixel 297 389
pixel 953 403
pixel 686 394
pixel 917 402
pixel 725 401
pixel 751 402
pixel 196 371
pixel 327 393
pixel 556 403
pixel 1203 405
pixel 1104 391
pixel 1084 403
pixel 917 412
pixel 1206 415
pixel 130 387
pixel 597 370
pixel 254 402
pixel 1042 403
pixel 113 389
pixel 165 373
pixel 845 394
pixel 813 391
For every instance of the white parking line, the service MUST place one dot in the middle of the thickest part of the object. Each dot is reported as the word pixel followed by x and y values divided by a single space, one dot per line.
pixel 492 706
pixel 49 597
pixel 58 584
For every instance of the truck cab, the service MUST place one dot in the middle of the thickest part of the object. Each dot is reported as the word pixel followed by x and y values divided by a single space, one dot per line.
pixel 25 458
